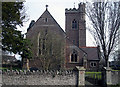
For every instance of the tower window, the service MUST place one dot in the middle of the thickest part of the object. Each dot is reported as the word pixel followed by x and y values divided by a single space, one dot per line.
pixel 74 56
pixel 74 24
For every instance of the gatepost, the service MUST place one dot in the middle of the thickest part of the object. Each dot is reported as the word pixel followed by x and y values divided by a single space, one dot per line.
pixel 81 76
pixel 0 78
pixel 107 79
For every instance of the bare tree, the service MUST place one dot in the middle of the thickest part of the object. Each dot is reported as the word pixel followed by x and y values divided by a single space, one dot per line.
pixel 51 50
pixel 105 20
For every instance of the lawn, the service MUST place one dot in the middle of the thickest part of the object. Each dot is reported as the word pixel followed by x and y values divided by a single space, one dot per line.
pixel 115 70
pixel 96 75
pixel 6 68
pixel 3 68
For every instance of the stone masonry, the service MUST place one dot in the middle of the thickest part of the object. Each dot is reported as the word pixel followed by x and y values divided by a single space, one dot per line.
pixel 67 78
pixel 41 77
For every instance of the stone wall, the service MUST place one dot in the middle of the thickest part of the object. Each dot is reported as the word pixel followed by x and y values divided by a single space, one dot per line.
pixel 39 78
pixel 45 77
pixel 115 75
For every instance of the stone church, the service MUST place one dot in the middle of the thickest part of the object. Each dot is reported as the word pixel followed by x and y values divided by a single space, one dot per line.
pixel 54 47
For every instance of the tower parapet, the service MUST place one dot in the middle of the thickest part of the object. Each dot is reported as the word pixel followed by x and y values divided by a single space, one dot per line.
pixel 71 10
pixel 81 9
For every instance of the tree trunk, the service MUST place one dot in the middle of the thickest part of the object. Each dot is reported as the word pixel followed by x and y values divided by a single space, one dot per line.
pixel 25 63
pixel 106 63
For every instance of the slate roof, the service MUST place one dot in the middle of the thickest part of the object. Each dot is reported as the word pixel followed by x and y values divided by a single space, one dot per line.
pixel 92 53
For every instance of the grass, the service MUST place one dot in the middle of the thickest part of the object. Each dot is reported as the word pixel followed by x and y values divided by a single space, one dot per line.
pixel 92 72
pixel 115 70
pixel 6 68
pixel 96 75
pixel 3 68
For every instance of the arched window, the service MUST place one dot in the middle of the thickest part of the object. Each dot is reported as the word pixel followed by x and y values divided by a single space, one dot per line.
pixel 41 46
pixel 74 56
pixel 93 64
pixel 74 24
pixel 42 42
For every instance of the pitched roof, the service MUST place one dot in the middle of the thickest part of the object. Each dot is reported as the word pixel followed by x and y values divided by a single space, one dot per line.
pixel 92 52
pixel 51 22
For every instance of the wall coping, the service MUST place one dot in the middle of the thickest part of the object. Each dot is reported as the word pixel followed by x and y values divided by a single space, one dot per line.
pixel 107 69
pixel 80 68
pixel 38 72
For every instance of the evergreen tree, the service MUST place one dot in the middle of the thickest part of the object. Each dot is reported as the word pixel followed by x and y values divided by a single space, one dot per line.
pixel 12 39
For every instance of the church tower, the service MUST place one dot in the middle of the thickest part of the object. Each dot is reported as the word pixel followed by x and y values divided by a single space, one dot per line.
pixel 75 26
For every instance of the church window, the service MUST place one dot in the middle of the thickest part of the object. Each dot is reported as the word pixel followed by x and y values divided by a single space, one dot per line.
pixel 46 32
pixel 73 41
pixel 43 44
pixel 81 8
pixel 40 50
pixel 81 17
pixel 46 19
pixel 74 56
pixel 74 24
pixel 93 64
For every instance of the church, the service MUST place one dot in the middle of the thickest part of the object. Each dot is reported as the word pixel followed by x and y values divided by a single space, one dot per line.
pixel 54 47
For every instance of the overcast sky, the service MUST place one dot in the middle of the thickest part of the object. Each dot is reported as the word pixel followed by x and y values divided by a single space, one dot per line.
pixel 35 8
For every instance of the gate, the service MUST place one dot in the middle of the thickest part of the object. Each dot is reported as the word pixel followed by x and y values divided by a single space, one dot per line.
pixel 93 78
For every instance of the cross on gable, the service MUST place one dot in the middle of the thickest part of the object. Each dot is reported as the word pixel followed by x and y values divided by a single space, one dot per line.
pixel 46 7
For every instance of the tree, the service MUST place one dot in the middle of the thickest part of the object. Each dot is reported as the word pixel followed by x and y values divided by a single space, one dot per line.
pixel 116 60
pixel 105 21
pixel 12 40
pixel 51 50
